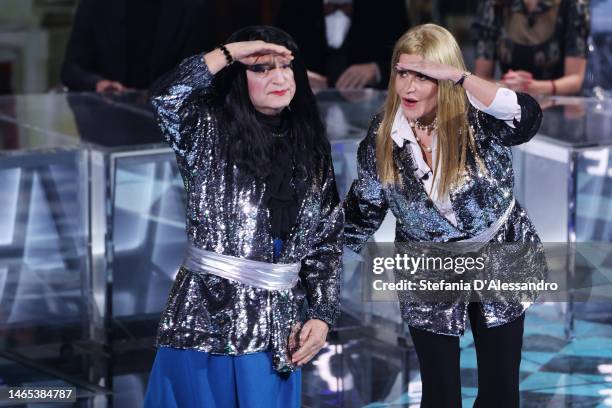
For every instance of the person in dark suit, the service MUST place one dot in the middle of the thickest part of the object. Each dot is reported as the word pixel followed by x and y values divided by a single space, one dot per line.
pixel 346 44
pixel 119 44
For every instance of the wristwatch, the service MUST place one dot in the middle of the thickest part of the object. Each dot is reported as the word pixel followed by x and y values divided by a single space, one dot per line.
pixel 463 76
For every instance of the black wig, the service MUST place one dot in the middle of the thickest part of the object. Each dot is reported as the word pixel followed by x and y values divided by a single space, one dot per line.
pixel 251 147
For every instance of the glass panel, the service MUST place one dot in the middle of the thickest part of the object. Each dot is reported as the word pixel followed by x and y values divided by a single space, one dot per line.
pixel 46 306
pixel 106 121
pixel 148 239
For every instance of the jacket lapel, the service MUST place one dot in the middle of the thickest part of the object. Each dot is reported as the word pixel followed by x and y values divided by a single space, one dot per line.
pixel 414 192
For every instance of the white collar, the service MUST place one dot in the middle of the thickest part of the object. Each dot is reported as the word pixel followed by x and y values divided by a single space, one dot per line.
pixel 401 130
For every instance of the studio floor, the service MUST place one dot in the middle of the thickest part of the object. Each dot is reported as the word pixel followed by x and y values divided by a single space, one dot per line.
pixel 355 369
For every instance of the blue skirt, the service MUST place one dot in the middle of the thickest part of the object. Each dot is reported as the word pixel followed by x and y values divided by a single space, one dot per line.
pixel 191 378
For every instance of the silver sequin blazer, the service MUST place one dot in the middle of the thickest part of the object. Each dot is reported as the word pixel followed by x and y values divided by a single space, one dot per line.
pixel 477 203
pixel 212 314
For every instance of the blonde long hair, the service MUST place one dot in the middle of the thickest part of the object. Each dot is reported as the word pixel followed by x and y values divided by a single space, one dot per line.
pixel 433 43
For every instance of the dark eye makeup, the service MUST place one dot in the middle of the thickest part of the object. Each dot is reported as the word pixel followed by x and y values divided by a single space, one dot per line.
pixel 263 68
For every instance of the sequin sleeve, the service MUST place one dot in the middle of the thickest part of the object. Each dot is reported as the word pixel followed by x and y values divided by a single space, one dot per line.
pixel 322 266
pixel 523 130
pixel 365 205
pixel 178 101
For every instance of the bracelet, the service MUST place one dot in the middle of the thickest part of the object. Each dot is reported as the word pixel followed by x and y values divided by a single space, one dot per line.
pixel 228 55
pixel 463 76
pixel 554 87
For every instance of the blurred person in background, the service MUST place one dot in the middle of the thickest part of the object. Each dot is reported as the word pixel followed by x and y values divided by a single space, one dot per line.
pixel 127 44
pixel 540 45
pixel 346 44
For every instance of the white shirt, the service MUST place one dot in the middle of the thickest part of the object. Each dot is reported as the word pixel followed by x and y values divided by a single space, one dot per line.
pixel 337 25
pixel 504 106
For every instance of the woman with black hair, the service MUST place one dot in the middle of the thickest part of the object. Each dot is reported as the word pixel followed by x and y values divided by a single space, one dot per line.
pixel 264 226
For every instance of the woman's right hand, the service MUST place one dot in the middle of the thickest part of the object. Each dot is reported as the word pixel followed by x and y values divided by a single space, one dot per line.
pixel 245 52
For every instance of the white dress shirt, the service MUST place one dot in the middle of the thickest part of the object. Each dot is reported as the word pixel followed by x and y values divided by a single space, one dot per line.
pixel 504 106
pixel 337 25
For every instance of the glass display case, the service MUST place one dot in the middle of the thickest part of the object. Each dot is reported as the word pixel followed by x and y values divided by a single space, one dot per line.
pixel 96 203
pixel 564 179
pixel 46 300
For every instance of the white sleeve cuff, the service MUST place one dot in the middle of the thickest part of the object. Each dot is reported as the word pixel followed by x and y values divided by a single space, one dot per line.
pixel 504 106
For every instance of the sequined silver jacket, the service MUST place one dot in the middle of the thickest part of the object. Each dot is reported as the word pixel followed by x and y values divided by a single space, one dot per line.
pixel 477 203
pixel 216 315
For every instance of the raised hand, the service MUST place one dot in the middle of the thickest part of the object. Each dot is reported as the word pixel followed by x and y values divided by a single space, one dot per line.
pixel 245 52
pixel 414 65
pixel 431 69
pixel 248 51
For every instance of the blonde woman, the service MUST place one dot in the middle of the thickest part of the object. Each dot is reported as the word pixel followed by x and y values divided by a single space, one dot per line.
pixel 439 158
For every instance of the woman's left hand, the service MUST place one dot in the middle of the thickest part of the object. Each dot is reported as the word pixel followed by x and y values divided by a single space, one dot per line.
pixel 433 70
pixel 312 339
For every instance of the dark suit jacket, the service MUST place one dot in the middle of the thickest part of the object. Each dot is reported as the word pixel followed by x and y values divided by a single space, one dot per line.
pixel 375 26
pixel 98 42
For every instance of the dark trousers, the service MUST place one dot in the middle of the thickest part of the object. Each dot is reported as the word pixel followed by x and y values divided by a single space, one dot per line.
pixel 498 352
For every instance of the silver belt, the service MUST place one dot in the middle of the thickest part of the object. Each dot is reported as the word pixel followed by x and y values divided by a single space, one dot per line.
pixel 479 240
pixel 488 234
pixel 262 275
